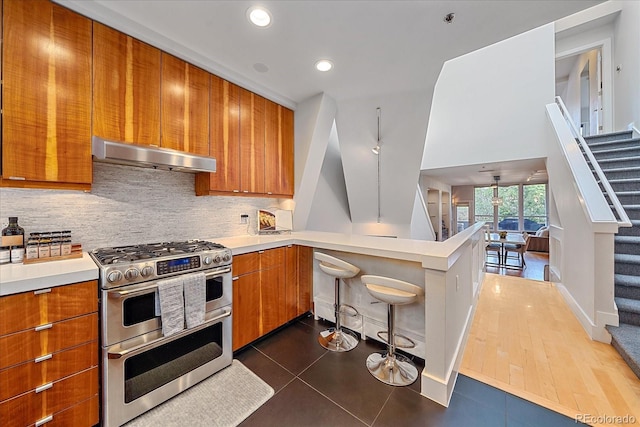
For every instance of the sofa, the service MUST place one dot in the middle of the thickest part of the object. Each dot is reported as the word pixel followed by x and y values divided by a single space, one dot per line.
pixel 539 242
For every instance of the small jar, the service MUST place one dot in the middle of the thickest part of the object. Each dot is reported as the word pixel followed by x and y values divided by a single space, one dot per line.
pixel 32 248
pixel 65 247
pixel 44 249
pixel 17 254
pixel 54 247
pixel 5 255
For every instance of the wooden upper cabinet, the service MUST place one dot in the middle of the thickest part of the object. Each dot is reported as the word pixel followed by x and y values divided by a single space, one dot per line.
pixel 225 135
pixel 252 131
pixel 185 106
pixel 46 121
pixel 126 88
pixel 279 159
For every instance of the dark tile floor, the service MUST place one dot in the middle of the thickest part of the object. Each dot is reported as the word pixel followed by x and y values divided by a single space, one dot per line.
pixel 315 387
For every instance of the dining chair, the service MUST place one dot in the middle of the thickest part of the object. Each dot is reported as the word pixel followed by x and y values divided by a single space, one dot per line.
pixel 493 247
pixel 519 250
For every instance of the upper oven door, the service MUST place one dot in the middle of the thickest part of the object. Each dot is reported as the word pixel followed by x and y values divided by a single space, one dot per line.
pixel 129 311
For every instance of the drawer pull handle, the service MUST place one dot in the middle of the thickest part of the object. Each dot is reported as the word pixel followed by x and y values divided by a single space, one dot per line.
pixel 260 252
pixel 44 420
pixel 17 178
pixel 43 327
pixel 43 358
pixel 44 387
pixel 235 278
pixel 42 291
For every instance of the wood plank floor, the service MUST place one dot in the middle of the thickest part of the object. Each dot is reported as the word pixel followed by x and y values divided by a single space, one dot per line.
pixel 526 341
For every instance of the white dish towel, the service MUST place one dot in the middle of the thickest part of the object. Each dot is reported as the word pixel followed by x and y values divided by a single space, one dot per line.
pixel 170 299
pixel 195 295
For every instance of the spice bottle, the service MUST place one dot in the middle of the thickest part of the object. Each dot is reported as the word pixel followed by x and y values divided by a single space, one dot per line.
pixel 13 237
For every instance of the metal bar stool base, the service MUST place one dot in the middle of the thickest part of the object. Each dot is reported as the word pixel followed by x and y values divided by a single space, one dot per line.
pixel 338 340
pixel 396 369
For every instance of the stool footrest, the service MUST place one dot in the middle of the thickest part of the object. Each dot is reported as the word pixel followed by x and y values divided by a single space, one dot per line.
pixel 348 310
pixel 401 341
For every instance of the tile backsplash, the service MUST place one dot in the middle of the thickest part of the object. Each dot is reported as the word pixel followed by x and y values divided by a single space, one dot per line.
pixel 130 205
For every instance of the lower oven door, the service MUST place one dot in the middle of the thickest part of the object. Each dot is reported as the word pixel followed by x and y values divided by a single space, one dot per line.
pixel 143 372
pixel 130 311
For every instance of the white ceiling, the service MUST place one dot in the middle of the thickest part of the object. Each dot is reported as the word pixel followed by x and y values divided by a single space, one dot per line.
pixel 532 171
pixel 378 47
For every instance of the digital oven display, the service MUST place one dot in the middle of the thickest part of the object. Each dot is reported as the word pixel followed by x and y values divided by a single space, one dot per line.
pixel 176 265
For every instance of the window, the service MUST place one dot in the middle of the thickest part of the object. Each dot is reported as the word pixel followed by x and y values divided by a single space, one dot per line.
pixel 523 208
pixel 534 207
pixel 483 207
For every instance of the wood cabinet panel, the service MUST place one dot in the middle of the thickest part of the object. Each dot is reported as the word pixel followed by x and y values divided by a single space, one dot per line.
pixel 246 263
pixel 30 309
pixel 290 304
pixel 251 142
pixel 46 121
pixel 279 159
pixel 28 408
pixel 224 142
pixel 84 414
pixel 272 295
pixel 305 279
pixel 246 309
pixel 27 345
pixel 33 374
pixel 184 106
pixel 126 88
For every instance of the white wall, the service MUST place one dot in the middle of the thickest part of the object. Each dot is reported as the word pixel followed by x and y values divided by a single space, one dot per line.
pixel 402 130
pixel 330 206
pixel 627 54
pixel 573 95
pixel 488 105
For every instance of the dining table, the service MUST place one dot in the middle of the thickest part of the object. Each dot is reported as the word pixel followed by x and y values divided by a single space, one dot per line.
pixel 510 238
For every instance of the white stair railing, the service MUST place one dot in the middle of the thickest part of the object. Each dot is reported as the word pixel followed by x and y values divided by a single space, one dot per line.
pixel 623 218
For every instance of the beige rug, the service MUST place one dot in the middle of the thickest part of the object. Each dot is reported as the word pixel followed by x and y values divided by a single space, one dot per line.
pixel 223 400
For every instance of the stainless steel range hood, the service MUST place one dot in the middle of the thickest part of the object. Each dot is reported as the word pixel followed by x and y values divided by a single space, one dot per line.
pixel 150 157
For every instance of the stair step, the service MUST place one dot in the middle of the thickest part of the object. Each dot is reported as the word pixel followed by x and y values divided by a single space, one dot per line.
pixel 626 244
pixel 627 286
pixel 628 304
pixel 616 152
pixel 634 230
pixel 627 258
pixel 628 184
pixel 621 173
pixel 623 279
pixel 628 240
pixel 625 162
pixel 612 136
pixel 624 339
pixel 613 143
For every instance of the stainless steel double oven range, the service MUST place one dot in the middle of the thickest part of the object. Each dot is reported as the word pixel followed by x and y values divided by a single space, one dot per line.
pixel 140 367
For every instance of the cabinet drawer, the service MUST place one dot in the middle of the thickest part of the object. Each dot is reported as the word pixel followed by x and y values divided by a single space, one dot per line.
pixel 272 258
pixel 26 346
pixel 29 309
pixel 84 414
pixel 30 407
pixel 30 375
pixel 246 263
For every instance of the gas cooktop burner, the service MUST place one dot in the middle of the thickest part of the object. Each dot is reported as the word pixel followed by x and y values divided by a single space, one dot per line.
pixel 133 253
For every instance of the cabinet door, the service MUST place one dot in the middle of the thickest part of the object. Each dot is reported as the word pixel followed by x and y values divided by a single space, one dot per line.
pixel 272 289
pixel 279 158
pixel 184 106
pixel 126 88
pixel 251 142
pixel 305 279
pixel 225 135
pixel 46 93
pixel 246 309
pixel 290 307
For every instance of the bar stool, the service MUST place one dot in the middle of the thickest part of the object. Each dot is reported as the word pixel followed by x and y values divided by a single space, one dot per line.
pixel 338 338
pixel 387 366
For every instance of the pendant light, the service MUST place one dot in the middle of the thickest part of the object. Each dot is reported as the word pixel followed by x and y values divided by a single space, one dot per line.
pixel 496 200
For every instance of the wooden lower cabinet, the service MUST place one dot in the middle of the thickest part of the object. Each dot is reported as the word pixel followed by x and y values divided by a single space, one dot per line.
pixel 49 356
pixel 270 288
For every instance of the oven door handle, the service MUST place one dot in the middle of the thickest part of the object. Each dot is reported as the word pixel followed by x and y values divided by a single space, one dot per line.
pixel 226 312
pixel 125 293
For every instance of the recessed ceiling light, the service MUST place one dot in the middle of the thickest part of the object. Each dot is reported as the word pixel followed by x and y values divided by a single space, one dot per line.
pixel 259 16
pixel 324 65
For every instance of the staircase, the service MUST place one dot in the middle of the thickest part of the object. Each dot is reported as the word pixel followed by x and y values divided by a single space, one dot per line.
pixel 618 154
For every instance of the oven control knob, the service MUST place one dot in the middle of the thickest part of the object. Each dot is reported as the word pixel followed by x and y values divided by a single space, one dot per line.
pixel 114 276
pixel 226 257
pixel 131 274
pixel 207 260
pixel 217 259
pixel 147 271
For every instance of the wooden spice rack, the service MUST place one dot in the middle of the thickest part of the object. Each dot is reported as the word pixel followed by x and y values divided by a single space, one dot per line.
pixel 76 252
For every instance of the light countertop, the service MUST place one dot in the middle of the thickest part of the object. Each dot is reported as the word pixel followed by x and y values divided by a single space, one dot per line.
pixel 15 278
